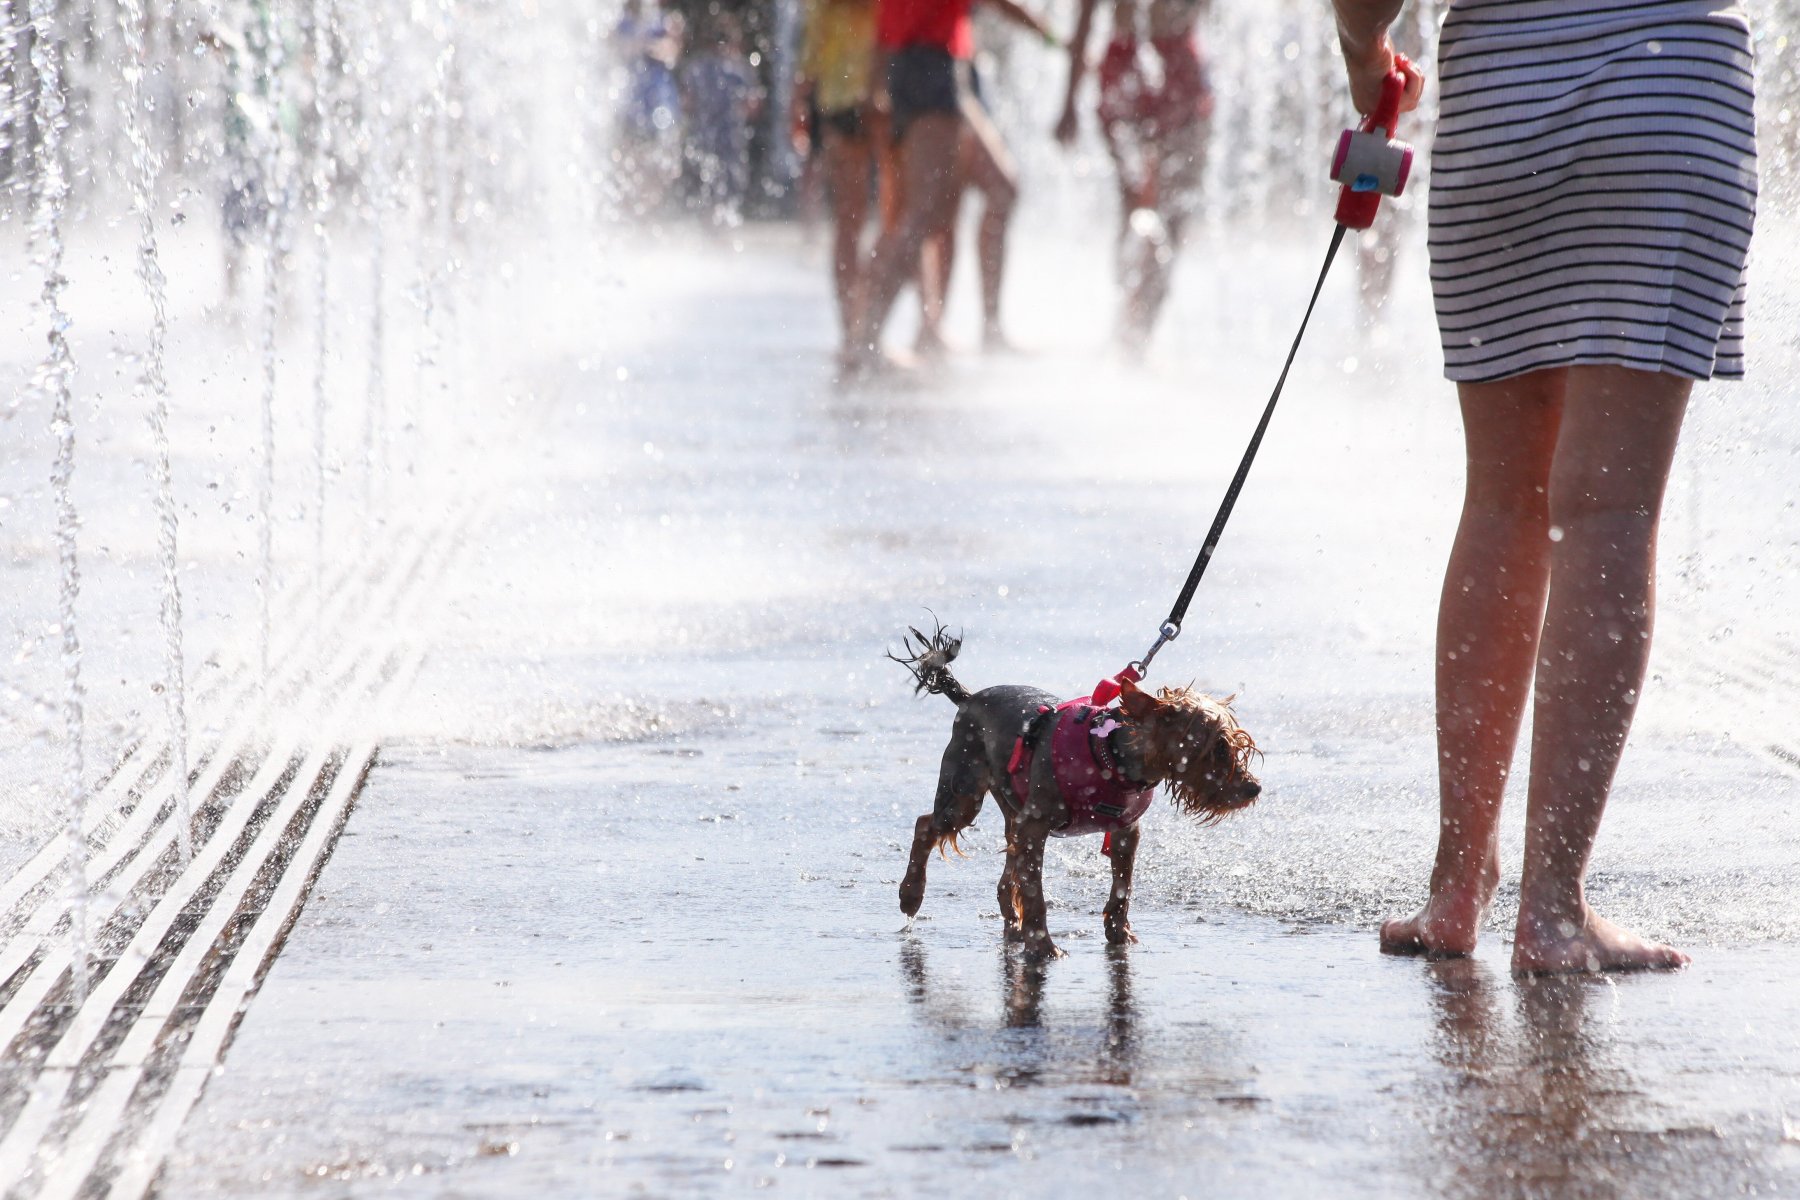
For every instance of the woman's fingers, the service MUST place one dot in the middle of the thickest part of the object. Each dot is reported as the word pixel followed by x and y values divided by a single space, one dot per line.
pixel 1415 83
pixel 1369 74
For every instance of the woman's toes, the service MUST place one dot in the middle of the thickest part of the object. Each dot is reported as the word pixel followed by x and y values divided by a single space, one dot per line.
pixel 1401 936
pixel 1544 947
pixel 1433 932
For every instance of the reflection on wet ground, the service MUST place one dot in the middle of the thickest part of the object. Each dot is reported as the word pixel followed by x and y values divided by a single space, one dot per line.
pixel 577 955
pixel 1019 1053
pixel 1546 1095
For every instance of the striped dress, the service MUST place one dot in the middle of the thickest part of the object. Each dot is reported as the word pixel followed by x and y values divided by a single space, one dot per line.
pixel 1593 186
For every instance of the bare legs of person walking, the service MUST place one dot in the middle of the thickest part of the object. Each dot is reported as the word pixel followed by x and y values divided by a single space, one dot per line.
pixel 985 165
pixel 940 152
pixel 990 170
pixel 1553 570
pixel 848 162
pixel 929 187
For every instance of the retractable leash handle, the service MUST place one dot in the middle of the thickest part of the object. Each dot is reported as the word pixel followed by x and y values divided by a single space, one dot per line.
pixel 1371 163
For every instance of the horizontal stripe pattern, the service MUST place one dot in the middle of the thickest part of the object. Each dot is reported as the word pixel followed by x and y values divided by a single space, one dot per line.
pixel 1593 186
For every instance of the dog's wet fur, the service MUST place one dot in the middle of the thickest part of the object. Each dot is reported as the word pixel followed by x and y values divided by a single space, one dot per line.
pixel 1189 743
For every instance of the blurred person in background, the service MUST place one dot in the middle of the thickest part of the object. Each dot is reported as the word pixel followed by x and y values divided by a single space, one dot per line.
pixel 925 87
pixel 1155 111
pixel 249 122
pixel 837 65
pixel 937 257
pixel 721 98
pixel 648 150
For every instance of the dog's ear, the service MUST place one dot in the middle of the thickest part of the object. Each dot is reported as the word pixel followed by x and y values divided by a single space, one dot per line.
pixel 1136 702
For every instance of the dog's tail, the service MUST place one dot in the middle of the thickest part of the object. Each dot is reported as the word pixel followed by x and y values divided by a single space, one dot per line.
pixel 928 657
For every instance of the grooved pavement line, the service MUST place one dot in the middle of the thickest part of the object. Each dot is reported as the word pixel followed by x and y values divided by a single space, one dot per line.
pixel 77 1132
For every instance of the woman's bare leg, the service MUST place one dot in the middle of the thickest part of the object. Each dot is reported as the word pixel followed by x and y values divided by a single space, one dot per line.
pixel 1489 619
pixel 847 163
pixel 1606 492
pixel 929 179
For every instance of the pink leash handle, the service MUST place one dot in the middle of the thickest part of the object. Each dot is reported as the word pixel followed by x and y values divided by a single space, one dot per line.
pixel 1369 162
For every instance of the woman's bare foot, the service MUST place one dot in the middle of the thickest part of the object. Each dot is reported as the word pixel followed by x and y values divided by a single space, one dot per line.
pixel 1543 947
pixel 1447 927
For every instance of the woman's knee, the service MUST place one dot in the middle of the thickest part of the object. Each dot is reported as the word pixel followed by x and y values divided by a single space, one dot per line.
pixel 1618 446
pixel 1579 500
pixel 1510 431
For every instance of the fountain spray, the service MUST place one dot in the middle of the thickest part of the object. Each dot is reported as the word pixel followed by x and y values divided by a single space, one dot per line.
pixel 434 260
pixel 52 381
pixel 377 186
pixel 152 386
pixel 9 100
pixel 321 199
pixel 270 60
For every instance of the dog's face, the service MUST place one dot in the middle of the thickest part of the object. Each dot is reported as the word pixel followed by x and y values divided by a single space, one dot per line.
pixel 1194 744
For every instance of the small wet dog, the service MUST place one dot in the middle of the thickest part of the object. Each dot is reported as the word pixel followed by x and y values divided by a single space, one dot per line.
pixel 1061 769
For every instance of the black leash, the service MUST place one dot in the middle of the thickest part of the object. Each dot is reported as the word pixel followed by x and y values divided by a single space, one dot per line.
pixel 1370 164
pixel 1171 628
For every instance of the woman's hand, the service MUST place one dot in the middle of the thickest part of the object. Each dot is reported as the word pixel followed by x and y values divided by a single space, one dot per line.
pixel 1369 66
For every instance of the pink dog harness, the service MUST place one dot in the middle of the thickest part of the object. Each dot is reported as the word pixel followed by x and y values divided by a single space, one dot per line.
pixel 1100 797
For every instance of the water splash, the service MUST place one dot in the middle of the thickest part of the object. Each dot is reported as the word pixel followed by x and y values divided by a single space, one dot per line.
pixel 378 198
pixel 152 386
pixel 52 382
pixel 267 47
pixel 322 169
pixel 10 104
pixel 375 399
pixel 436 230
pixel 447 184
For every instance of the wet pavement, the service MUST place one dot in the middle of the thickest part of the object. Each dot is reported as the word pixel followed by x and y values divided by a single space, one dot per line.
pixel 616 911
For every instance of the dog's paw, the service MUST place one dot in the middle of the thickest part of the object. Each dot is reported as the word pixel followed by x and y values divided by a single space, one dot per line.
pixel 1118 933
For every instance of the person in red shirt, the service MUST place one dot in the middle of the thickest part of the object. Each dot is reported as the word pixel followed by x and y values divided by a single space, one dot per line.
pixel 924 84
pixel 1155 110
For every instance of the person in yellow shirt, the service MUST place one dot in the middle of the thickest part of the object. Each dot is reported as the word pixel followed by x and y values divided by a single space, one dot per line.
pixel 837 69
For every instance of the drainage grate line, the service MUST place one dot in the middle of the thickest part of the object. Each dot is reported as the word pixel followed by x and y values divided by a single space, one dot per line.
pixel 40 876
pixel 120 868
pixel 113 792
pixel 23 1142
pixel 98 1091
